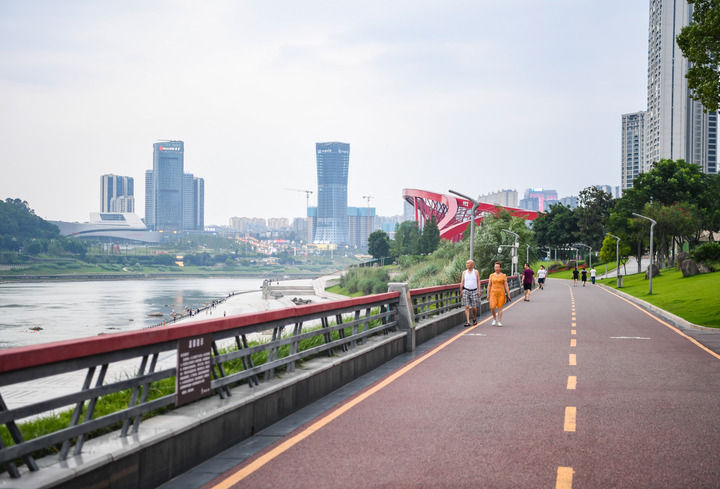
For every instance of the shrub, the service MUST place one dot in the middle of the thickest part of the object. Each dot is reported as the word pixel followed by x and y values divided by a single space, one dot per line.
pixel 707 252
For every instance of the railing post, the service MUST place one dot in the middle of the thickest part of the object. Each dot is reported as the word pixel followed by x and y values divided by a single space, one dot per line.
pixel 406 315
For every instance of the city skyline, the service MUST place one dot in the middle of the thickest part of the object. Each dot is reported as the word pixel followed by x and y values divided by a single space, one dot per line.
pixel 436 97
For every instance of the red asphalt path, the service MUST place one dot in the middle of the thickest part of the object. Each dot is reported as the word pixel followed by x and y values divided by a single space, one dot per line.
pixel 493 408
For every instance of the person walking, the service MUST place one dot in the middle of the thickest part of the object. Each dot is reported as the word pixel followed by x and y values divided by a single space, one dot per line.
pixel 470 292
pixel 528 275
pixel 542 273
pixel 497 289
pixel 593 273
pixel 584 276
pixel 576 274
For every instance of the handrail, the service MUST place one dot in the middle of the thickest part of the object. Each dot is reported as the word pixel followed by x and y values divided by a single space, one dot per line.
pixel 298 333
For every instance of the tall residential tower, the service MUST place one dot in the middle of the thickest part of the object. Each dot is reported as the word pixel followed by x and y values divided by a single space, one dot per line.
pixel 633 148
pixel 676 127
pixel 117 194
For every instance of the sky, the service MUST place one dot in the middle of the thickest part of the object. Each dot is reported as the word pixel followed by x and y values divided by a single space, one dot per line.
pixel 474 96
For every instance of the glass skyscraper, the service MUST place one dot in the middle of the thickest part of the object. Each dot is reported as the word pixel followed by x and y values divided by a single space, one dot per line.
pixel 117 193
pixel 333 160
pixel 167 185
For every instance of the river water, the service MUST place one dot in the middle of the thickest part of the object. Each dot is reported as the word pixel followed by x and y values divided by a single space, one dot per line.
pixel 32 313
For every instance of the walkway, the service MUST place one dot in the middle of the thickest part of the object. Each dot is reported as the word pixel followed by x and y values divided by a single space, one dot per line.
pixel 579 388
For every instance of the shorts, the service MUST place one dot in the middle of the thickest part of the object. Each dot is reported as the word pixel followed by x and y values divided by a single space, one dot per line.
pixel 541 280
pixel 470 298
pixel 527 286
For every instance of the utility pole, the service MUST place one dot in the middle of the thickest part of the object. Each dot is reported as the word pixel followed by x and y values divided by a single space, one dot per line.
pixel 367 199
pixel 514 262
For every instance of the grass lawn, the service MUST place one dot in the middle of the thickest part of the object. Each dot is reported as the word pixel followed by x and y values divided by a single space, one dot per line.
pixel 695 299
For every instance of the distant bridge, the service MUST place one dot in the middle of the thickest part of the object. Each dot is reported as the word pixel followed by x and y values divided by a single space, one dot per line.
pixel 453 213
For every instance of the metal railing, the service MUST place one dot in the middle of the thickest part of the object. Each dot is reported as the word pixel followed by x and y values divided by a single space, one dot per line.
pixel 433 301
pixel 297 334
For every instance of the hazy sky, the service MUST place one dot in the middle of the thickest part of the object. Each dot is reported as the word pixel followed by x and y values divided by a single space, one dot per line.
pixel 470 95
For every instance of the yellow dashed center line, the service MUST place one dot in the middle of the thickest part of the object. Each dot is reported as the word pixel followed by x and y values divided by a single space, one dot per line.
pixel 573 359
pixel 573 331
pixel 564 478
pixel 573 342
pixel 570 414
pixel 572 382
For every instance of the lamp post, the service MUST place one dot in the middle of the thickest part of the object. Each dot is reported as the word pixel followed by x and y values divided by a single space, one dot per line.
pixel 527 254
pixel 472 220
pixel 513 263
pixel 617 258
pixel 652 225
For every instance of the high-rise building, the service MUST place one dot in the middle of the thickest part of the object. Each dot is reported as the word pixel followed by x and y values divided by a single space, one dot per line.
pixel 174 200
pixel 199 201
pixel 676 127
pixel 507 198
pixel 149 200
pixel 535 199
pixel 168 165
pixel 117 193
pixel 361 222
pixel 633 147
pixel 333 160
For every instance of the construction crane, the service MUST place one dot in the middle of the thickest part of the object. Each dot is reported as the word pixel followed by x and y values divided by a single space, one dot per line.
pixel 307 196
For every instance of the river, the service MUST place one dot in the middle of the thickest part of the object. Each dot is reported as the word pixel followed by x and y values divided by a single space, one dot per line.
pixel 32 313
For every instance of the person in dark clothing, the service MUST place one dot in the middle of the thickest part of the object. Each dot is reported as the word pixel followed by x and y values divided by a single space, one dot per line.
pixel 576 274
pixel 528 275
pixel 584 276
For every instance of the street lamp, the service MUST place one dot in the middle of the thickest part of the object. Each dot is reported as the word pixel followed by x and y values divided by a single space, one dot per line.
pixel 513 263
pixel 590 248
pixel 652 225
pixel 472 220
pixel 617 257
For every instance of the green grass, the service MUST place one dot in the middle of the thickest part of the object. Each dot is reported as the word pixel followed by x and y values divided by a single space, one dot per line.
pixel 694 299
pixel 337 289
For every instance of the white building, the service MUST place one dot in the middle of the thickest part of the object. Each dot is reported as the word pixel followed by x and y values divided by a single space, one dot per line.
pixel 506 198
pixel 632 148
pixel 676 127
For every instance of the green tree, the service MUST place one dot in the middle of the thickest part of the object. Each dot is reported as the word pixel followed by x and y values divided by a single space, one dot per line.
pixel 557 227
pixel 667 182
pixel 675 224
pixel 430 238
pixel 379 244
pixel 593 211
pixel 610 247
pixel 19 225
pixel 490 236
pixel 407 239
pixel 700 44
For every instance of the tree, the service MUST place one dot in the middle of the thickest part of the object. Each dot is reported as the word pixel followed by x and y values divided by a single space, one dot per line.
pixel 407 239
pixel 667 182
pixel 700 44
pixel 19 224
pixel 379 244
pixel 430 238
pixel 594 207
pixel 610 246
pixel 490 236
pixel 557 227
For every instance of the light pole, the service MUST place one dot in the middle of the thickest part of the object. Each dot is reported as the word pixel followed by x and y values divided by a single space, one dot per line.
pixel 617 258
pixel 472 220
pixel 527 254
pixel 652 225
pixel 513 263
pixel 367 198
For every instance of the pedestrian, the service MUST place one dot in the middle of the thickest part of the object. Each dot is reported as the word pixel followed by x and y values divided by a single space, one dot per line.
pixel 528 275
pixel 584 276
pixel 497 289
pixel 542 273
pixel 576 274
pixel 470 292
pixel 592 275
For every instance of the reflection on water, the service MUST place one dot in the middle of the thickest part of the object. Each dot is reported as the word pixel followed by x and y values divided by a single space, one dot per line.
pixel 33 313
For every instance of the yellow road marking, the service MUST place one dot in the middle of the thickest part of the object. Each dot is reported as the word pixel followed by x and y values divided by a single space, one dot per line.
pixel 564 478
pixel 572 382
pixel 573 331
pixel 573 324
pixel 325 420
pixel 570 414
pixel 664 323
pixel 573 342
pixel 573 359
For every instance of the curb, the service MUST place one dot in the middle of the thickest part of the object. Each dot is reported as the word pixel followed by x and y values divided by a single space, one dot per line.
pixel 676 321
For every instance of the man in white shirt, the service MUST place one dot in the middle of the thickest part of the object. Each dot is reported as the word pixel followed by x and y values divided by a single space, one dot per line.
pixel 592 275
pixel 470 290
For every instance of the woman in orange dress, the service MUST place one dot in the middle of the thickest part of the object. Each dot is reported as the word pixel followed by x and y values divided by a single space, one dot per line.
pixel 497 288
